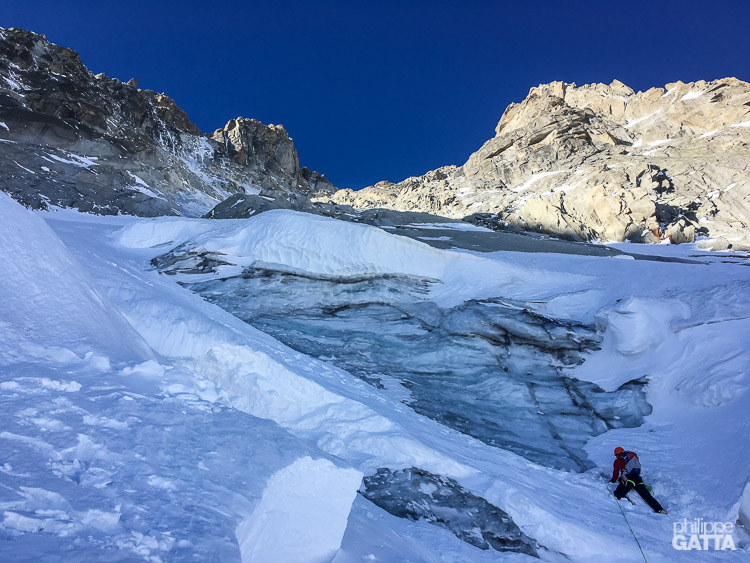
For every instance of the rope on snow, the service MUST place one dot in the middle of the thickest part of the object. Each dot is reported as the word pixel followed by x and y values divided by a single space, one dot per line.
pixel 629 527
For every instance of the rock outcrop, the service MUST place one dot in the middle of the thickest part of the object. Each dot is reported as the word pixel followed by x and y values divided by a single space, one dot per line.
pixel 595 162
pixel 73 139
pixel 601 162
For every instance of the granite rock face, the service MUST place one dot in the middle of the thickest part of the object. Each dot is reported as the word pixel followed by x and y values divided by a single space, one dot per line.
pixel 601 162
pixel 70 138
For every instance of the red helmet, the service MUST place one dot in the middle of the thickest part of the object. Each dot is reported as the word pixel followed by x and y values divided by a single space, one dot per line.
pixel 619 450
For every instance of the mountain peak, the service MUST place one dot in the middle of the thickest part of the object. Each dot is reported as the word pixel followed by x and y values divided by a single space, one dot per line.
pixel 74 139
pixel 600 161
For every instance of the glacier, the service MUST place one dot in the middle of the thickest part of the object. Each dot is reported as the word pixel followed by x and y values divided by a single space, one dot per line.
pixel 297 388
pixel 489 368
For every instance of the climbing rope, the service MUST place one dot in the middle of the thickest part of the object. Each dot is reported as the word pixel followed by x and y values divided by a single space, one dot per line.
pixel 629 527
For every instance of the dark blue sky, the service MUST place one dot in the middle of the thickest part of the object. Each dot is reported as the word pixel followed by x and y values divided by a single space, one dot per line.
pixel 383 90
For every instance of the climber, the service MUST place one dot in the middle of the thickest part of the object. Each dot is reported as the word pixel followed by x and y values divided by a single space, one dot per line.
pixel 627 470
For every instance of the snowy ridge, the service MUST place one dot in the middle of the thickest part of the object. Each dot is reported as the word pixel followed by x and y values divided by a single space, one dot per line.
pixel 298 242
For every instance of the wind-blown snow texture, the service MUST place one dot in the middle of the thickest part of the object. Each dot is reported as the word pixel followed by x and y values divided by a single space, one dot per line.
pixel 141 421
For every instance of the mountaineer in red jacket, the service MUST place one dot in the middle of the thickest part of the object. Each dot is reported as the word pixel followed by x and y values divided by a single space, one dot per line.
pixel 627 470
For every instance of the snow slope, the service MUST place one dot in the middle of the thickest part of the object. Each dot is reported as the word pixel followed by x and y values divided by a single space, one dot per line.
pixel 48 298
pixel 107 454
pixel 186 433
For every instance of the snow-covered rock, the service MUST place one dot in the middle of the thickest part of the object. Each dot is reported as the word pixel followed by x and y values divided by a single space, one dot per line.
pixel 74 139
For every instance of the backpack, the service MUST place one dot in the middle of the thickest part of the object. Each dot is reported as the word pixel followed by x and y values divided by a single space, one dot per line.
pixel 632 464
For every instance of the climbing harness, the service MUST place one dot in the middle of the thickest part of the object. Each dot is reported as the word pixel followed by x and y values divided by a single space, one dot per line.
pixel 649 488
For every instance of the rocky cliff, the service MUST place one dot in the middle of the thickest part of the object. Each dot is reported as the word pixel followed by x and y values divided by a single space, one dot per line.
pixel 601 162
pixel 583 163
pixel 73 139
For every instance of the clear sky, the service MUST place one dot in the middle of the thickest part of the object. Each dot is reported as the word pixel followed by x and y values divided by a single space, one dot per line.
pixel 383 90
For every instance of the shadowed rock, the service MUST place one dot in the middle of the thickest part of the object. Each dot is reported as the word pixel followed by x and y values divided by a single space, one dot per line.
pixel 74 139
pixel 419 495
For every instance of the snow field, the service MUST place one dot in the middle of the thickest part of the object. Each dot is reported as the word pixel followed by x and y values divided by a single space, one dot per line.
pixel 295 253
pixel 180 432
pixel 180 325
pixel 119 474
